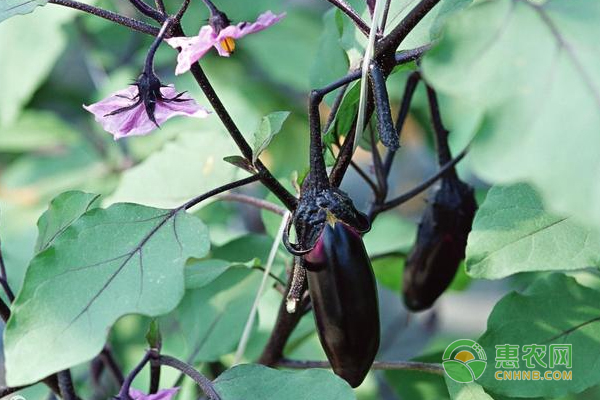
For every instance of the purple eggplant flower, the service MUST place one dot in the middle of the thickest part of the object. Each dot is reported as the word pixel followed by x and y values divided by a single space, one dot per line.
pixel 163 394
pixel 142 107
pixel 219 34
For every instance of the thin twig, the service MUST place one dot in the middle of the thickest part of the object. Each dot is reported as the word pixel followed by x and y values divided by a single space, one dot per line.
pixel 239 354
pixel 219 190
pixel 436 369
pixel 403 198
pixel 391 42
pixel 203 382
pixel 335 108
pixel 253 201
pixel 108 359
pixel 109 15
pixel 65 384
pixel 148 11
pixel 350 12
pixel 272 275
pixel 124 392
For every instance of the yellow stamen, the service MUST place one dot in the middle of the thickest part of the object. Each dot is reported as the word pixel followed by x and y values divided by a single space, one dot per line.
pixel 228 44
pixel 330 218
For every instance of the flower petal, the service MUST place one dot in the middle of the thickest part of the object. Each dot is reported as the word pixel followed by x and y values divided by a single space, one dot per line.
pixel 135 121
pixel 244 28
pixel 192 49
pixel 189 108
pixel 163 394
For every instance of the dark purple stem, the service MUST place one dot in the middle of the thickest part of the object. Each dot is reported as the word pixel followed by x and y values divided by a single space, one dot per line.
pixel 109 15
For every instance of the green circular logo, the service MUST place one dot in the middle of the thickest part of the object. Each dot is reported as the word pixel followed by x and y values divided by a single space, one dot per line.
pixel 464 360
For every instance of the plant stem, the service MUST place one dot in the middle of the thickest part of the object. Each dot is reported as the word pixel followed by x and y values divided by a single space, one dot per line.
pixel 191 203
pixel 149 64
pixel 436 369
pixel 391 42
pixel 441 133
pixel 107 358
pixel 65 384
pixel 409 91
pixel 350 12
pixel 403 198
pixel 148 11
pixel 124 392
pixel 385 125
pixel 154 372
pixel 265 176
pixel 109 15
pixel 160 6
pixel 205 384
pixel 253 201
pixel 253 311
pixel 5 391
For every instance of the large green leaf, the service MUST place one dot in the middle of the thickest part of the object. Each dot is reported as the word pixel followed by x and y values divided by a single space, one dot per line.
pixel 9 8
pixel 30 45
pixel 251 381
pixel 513 233
pixel 63 210
pixel 331 62
pixel 531 69
pixel 110 262
pixel 209 321
pixel 553 310
pixel 466 391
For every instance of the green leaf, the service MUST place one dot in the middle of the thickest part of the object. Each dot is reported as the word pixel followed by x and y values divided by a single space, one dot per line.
pixel 251 381
pixel 269 126
pixel 390 234
pixel 209 321
pixel 466 391
pixel 241 162
pixel 513 233
pixel 553 310
pixel 530 69
pixel 200 273
pixel 110 262
pixel 330 62
pixel 63 210
pixel 29 50
pixel 9 8
pixel 184 168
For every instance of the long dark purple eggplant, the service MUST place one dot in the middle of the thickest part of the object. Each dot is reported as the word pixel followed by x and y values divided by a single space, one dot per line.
pixel 344 296
pixel 441 243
